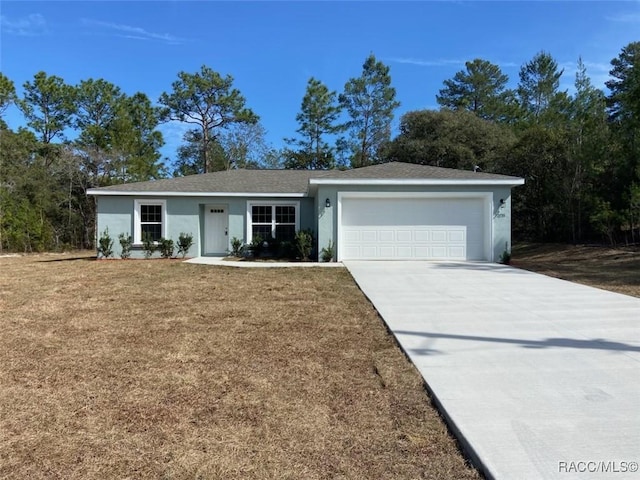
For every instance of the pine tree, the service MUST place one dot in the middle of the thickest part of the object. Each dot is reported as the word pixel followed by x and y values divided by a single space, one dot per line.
pixel 370 102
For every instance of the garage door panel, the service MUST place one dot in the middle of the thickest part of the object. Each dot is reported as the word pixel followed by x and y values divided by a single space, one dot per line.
pixel 456 235
pixel 352 252
pixel 412 228
pixel 369 236
pixel 351 236
pixel 439 236
pixel 404 235
pixel 422 235
pixel 386 235
pixel 440 252
pixel 369 251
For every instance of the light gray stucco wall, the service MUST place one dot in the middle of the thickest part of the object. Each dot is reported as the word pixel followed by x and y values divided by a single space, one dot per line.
pixel 501 222
pixel 186 214
pixel 501 213
pixel 327 218
pixel 116 213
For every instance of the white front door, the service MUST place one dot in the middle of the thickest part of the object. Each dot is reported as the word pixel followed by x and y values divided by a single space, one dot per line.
pixel 216 229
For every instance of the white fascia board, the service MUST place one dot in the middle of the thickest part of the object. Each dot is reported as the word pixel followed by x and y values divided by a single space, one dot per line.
pixel 415 181
pixel 97 192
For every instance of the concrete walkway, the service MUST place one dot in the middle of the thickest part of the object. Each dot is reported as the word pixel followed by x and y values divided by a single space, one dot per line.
pixel 538 377
pixel 231 263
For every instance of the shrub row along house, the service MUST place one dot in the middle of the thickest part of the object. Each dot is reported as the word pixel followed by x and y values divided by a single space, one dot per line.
pixel 388 211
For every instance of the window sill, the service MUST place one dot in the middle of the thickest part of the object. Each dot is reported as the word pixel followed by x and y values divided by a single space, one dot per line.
pixel 140 246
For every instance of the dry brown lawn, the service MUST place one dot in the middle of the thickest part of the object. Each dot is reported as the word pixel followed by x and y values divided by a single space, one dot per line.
pixel 615 269
pixel 160 369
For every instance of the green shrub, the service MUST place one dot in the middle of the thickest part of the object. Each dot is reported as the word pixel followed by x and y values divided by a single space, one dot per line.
pixel 286 249
pixel 185 241
pixel 327 253
pixel 166 247
pixel 505 258
pixel 126 242
pixel 274 246
pixel 257 245
pixel 148 245
pixel 105 244
pixel 236 247
pixel 304 244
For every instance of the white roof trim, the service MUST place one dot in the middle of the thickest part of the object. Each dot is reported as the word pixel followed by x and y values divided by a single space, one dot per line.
pixel 318 181
pixel 98 192
pixel 414 181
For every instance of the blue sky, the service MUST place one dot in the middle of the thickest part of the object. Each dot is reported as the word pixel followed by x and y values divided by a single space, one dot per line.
pixel 272 48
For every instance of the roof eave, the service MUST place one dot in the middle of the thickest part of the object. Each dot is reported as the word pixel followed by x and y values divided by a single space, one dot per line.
pixel 419 181
pixel 133 193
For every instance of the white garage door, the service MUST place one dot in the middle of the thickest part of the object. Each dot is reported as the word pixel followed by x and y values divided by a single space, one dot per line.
pixel 412 228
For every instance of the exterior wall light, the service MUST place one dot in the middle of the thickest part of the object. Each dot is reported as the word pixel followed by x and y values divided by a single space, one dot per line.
pixel 327 203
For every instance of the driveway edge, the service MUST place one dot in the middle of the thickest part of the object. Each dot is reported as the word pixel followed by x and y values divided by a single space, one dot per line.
pixel 467 450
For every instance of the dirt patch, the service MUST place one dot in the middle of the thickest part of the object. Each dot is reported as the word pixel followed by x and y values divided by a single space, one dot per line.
pixel 153 369
pixel 615 269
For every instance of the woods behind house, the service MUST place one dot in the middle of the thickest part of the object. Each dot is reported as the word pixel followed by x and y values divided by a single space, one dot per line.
pixel 578 150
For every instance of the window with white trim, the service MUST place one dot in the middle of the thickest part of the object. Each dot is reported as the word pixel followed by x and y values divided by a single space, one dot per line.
pixel 273 220
pixel 149 219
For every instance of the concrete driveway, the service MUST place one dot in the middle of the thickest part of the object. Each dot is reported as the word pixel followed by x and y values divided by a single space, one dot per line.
pixel 538 377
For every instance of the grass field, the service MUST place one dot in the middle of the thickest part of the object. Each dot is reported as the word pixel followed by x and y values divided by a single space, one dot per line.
pixel 615 269
pixel 165 370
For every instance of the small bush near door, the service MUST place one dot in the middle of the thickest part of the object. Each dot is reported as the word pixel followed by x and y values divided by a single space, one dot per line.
pixel 286 249
pixel 166 247
pixel 257 245
pixel 236 247
pixel 304 244
pixel 185 242
pixel 327 253
pixel 301 248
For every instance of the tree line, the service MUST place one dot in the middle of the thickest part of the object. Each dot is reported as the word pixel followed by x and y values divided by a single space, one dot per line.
pixel 578 152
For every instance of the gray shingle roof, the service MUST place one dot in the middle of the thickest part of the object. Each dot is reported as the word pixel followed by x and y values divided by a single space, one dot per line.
pixel 292 181
pixel 231 181
pixel 404 171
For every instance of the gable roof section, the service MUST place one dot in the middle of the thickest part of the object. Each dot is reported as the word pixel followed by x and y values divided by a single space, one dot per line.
pixel 229 182
pixel 296 183
pixel 399 173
